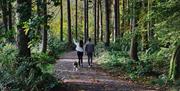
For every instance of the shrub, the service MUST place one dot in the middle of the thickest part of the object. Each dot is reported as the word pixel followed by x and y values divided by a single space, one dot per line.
pixel 26 74
pixel 56 47
pixel 122 44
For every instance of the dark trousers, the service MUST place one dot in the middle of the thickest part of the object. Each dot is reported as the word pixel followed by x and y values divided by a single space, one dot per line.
pixel 80 57
pixel 90 58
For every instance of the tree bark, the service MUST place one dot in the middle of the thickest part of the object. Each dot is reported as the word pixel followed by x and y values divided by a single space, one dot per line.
pixel 123 17
pixel 134 44
pixel 76 19
pixel 101 20
pixel 107 34
pixel 4 6
pixel 95 22
pixel 116 13
pixel 69 22
pixel 85 21
pixel 45 30
pixel 10 15
pixel 24 14
pixel 61 22
pixel 98 24
pixel 87 16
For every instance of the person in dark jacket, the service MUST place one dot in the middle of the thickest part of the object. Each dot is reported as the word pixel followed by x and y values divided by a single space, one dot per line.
pixel 89 49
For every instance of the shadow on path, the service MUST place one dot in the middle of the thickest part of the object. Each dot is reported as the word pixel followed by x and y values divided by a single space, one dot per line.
pixel 90 79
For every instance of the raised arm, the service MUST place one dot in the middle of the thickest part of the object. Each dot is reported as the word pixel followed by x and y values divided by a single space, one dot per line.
pixel 75 42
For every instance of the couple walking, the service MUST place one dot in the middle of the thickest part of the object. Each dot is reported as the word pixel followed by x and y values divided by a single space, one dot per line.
pixel 89 50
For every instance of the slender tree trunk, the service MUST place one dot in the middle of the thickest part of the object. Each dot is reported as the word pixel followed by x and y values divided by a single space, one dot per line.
pixel 149 24
pixel 123 17
pixel 23 40
pixel 11 37
pixel 134 44
pixel 10 15
pixel 69 22
pixel 107 34
pixel 87 16
pixel 76 19
pixel 98 24
pixel 95 16
pixel 39 12
pixel 116 13
pixel 85 21
pixel 45 30
pixel 101 20
pixel 61 21
pixel 5 13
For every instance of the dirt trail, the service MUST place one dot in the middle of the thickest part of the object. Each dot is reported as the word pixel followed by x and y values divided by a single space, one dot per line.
pixel 90 79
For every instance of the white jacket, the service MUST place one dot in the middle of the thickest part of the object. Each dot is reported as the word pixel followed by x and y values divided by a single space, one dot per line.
pixel 78 48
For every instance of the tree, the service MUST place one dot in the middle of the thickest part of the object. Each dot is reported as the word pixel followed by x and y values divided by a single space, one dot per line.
pixel 101 20
pixel 116 13
pixel 24 14
pixel 10 15
pixel 76 17
pixel 86 31
pixel 107 14
pixel 134 44
pixel 45 30
pixel 69 22
pixel 98 19
pixel 4 6
pixel 95 22
pixel 61 21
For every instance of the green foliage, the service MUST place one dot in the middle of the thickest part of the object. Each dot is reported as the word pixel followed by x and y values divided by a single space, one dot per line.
pixel 56 46
pixel 122 44
pixel 25 74
pixel 7 54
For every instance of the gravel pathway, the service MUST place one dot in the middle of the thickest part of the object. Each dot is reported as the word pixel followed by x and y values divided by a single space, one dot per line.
pixel 90 79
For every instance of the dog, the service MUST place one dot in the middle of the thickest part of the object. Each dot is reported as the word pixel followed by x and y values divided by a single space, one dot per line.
pixel 75 66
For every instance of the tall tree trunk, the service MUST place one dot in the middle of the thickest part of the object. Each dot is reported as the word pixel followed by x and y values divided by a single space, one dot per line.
pixel 95 16
pixel 85 21
pixel 69 22
pixel 98 24
pixel 39 13
pixel 4 6
pixel 101 20
pixel 76 19
pixel 123 17
pixel 45 30
pixel 10 15
pixel 149 24
pixel 134 44
pixel 11 37
pixel 87 16
pixel 61 22
pixel 116 13
pixel 107 34
pixel 24 14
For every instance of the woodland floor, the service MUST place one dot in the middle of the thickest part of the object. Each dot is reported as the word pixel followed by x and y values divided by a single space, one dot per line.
pixel 91 79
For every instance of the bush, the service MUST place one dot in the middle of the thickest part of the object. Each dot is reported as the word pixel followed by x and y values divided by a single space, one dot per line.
pixel 122 44
pixel 7 55
pixel 25 74
pixel 56 47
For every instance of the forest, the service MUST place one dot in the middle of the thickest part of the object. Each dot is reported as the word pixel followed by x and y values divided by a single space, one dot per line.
pixel 135 40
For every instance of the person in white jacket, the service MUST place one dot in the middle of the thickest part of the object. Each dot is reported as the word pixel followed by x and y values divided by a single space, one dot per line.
pixel 79 49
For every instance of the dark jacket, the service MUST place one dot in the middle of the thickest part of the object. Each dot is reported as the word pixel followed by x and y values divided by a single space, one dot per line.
pixel 89 47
